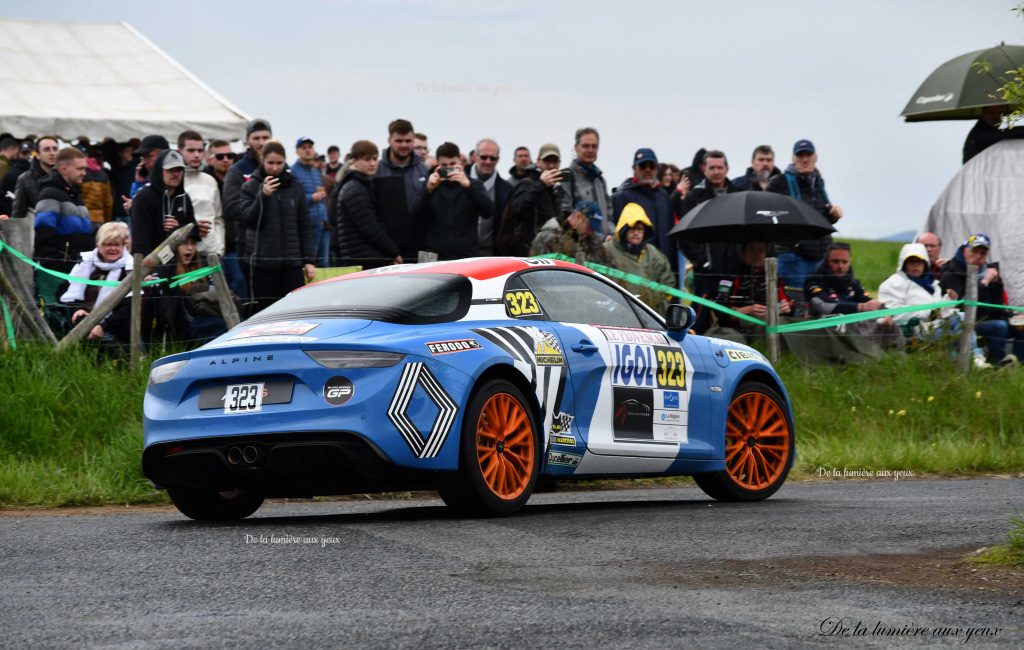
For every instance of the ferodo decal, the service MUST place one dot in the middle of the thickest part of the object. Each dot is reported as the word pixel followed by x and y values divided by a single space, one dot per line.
pixel 448 347
pixel 338 390
pixel 291 327
pixel 633 335
pixel 538 261
pixel 424 445
pixel 742 355
pixel 563 458
pixel 647 366
pixel 632 414
pixel 561 430
pixel 521 303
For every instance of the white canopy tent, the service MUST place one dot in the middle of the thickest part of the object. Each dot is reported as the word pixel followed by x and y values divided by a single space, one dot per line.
pixel 102 80
pixel 987 196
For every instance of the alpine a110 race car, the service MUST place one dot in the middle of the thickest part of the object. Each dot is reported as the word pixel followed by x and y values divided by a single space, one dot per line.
pixel 473 377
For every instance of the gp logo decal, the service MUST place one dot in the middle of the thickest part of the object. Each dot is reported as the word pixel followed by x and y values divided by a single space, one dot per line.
pixel 742 355
pixel 521 303
pixel 646 366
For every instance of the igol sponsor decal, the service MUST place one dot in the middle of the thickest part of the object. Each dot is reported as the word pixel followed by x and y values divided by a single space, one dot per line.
pixel 563 458
pixel 447 347
pixel 338 390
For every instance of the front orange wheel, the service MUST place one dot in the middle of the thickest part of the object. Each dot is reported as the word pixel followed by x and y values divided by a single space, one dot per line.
pixel 499 458
pixel 759 447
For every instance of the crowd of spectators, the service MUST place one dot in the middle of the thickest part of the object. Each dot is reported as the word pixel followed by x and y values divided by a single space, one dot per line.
pixel 273 222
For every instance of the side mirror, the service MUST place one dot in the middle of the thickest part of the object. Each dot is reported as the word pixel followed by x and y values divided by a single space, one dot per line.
pixel 680 318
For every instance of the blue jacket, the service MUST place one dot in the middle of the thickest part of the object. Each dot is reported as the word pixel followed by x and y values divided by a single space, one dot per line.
pixel 655 202
pixel 311 179
pixel 63 229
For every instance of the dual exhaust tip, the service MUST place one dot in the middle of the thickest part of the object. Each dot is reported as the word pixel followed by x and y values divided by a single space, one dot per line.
pixel 248 455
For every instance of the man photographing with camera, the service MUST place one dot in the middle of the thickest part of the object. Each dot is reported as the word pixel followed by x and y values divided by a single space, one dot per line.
pixel 452 207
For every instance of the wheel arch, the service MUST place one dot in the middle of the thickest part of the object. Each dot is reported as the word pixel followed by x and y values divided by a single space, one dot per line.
pixel 509 373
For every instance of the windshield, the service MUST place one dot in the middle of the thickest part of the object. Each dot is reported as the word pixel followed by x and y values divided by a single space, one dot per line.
pixel 413 298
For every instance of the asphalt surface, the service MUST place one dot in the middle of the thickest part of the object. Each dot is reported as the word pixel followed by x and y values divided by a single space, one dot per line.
pixel 644 568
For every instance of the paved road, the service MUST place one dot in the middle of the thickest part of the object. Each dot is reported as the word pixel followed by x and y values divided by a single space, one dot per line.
pixel 645 568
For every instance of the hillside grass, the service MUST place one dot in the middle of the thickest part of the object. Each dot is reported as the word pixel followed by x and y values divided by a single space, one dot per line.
pixel 71 424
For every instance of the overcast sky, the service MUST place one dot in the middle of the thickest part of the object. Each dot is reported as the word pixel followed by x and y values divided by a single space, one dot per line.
pixel 675 76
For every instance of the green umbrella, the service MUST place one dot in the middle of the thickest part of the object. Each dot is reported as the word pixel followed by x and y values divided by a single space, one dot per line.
pixel 958 89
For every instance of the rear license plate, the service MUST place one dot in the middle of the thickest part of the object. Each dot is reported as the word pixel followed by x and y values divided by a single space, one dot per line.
pixel 244 398
pixel 275 391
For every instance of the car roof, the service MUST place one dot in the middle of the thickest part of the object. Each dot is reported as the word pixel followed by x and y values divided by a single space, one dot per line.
pixel 476 268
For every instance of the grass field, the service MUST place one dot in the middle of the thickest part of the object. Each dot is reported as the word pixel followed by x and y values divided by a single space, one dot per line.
pixel 71 432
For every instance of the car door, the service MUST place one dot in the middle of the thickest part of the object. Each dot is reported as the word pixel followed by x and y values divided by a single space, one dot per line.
pixel 638 391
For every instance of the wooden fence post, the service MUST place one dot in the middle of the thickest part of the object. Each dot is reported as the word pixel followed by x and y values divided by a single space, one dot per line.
pixel 963 362
pixel 228 310
pixel 21 235
pixel 26 301
pixel 771 274
pixel 136 336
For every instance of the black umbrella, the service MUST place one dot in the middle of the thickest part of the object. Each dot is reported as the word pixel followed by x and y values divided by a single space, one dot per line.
pixel 959 89
pixel 743 216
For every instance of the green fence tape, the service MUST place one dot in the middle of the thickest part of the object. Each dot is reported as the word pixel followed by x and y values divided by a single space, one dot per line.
pixel 192 276
pixel 819 323
pixel 183 278
pixel 8 324
pixel 843 319
pixel 644 282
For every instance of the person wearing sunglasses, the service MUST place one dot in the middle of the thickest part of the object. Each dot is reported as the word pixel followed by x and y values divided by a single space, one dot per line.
pixel 485 170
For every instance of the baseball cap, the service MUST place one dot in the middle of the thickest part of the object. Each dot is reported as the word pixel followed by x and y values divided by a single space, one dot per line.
pixel 803 146
pixel 303 140
pixel 547 150
pixel 151 142
pixel 978 241
pixel 257 124
pixel 27 147
pixel 644 155
pixel 173 160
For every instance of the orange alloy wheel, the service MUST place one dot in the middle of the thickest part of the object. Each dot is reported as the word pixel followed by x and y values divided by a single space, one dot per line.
pixel 505 446
pixel 756 441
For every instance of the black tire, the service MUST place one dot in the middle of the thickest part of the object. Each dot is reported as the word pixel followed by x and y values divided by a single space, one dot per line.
pixel 474 490
pixel 207 505
pixel 756 467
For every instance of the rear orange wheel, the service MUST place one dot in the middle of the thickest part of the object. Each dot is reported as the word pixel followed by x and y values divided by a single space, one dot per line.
pixel 759 446
pixel 505 447
pixel 499 455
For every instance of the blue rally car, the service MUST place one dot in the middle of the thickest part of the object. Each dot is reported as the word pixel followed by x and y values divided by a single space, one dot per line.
pixel 475 378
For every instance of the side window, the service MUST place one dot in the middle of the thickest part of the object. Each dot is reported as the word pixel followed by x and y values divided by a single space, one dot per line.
pixel 520 301
pixel 577 298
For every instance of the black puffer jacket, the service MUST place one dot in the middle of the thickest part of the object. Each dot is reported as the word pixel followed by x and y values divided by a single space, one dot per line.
pixel 362 238
pixel 26 191
pixel 452 219
pixel 151 204
pixel 531 205
pixel 954 276
pixel 278 232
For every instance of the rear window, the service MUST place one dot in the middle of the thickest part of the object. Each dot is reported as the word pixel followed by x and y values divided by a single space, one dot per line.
pixel 408 298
